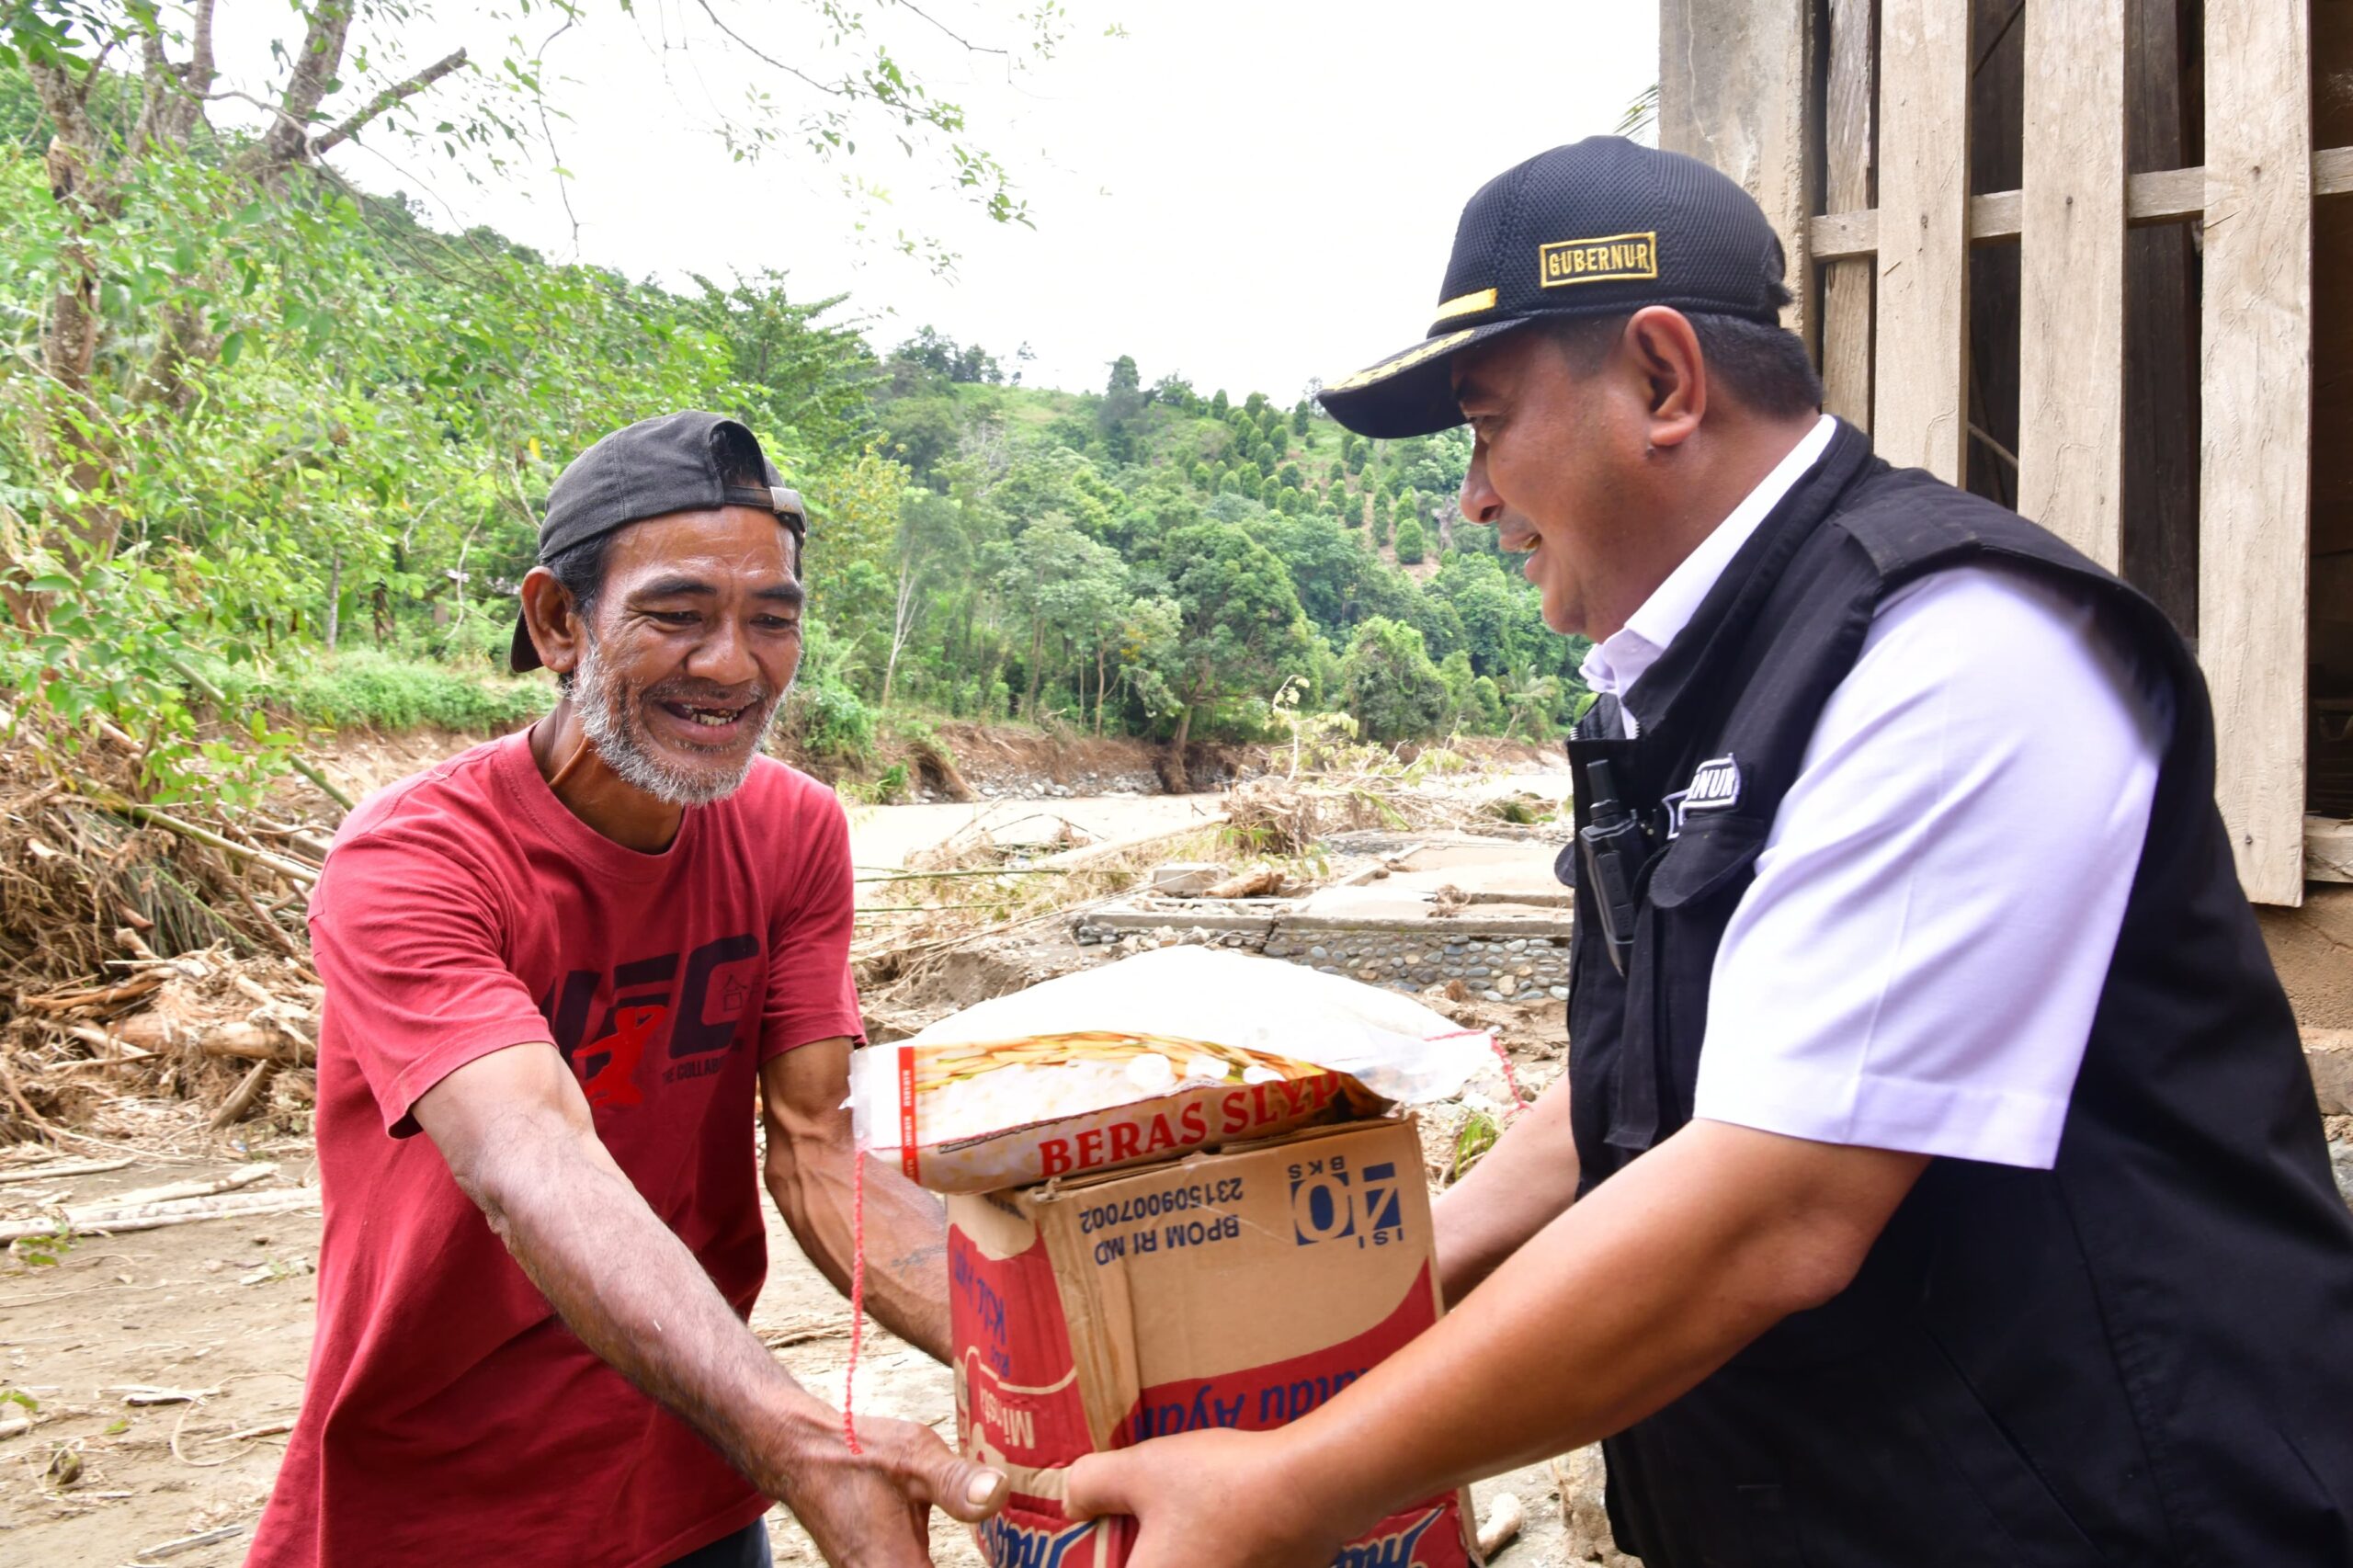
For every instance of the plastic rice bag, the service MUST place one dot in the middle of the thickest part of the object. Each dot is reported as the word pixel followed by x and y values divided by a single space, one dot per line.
pixel 1147 1059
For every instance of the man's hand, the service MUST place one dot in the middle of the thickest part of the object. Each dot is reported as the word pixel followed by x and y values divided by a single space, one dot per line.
pixel 1644 1287
pixel 1233 1499
pixel 871 1511
pixel 518 1136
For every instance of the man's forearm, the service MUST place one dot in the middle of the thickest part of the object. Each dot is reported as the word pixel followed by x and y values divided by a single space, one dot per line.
pixel 624 1283
pixel 906 1238
pixel 1616 1307
pixel 1519 1187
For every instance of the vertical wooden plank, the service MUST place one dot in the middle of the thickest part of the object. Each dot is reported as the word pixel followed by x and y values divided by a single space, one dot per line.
pixel 1735 90
pixel 1920 388
pixel 2255 492
pixel 1850 89
pixel 2071 303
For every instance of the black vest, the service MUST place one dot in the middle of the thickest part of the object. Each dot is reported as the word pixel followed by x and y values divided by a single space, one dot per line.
pixel 2143 1356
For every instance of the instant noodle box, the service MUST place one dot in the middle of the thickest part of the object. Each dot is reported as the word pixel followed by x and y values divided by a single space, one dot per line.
pixel 1239 1289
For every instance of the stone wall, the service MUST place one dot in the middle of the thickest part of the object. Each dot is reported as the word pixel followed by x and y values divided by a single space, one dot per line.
pixel 1496 961
pixel 1497 967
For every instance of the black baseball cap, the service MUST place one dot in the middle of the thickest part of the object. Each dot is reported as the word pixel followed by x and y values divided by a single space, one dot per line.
pixel 1600 227
pixel 674 463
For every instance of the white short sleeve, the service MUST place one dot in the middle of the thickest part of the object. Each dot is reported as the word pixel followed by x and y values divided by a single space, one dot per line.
pixel 1916 963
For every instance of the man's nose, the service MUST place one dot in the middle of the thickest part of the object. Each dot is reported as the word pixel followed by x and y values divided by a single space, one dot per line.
pixel 724 658
pixel 1480 502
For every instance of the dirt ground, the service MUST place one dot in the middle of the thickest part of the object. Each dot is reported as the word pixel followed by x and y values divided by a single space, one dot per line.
pixel 223 1310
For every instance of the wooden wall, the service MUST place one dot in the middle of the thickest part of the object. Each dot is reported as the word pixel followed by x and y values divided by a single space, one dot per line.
pixel 2069 253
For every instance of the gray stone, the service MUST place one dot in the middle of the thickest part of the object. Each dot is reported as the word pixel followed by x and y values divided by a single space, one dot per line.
pixel 1559 993
pixel 1319 953
pixel 1478 971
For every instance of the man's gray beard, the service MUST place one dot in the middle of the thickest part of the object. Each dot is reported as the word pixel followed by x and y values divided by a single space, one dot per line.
pixel 616 727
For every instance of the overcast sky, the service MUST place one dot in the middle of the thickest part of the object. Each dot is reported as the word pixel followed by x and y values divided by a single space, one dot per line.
pixel 1251 194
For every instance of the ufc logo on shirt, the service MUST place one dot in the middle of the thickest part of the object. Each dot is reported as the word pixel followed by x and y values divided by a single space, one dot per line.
pixel 709 1002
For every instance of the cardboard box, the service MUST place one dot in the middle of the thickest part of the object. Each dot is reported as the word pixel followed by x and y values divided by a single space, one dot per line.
pixel 1241 1289
pixel 1137 1131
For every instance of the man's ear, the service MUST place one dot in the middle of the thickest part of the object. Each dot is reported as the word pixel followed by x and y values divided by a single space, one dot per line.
pixel 1664 351
pixel 555 627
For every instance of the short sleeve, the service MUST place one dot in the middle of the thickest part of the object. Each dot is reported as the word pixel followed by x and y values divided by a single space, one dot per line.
pixel 1917 962
pixel 417 986
pixel 811 996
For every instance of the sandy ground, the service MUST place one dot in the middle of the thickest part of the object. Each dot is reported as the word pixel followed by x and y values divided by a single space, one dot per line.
pixel 882 837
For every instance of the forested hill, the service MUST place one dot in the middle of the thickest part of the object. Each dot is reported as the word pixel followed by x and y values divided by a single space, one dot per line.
pixel 274 447
pixel 1161 559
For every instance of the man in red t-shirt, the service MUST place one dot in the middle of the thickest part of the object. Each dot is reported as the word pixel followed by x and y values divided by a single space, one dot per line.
pixel 574 958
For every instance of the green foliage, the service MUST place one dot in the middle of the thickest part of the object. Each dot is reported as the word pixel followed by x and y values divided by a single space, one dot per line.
pixel 363 688
pixel 1409 541
pixel 1394 690
pixel 369 430
pixel 1477 1134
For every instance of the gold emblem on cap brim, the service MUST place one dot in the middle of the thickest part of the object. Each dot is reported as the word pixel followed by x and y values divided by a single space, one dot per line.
pixel 1398 363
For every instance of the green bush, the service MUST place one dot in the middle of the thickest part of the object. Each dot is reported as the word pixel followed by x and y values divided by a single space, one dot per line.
pixel 359 688
pixel 830 721
pixel 1394 690
pixel 1410 546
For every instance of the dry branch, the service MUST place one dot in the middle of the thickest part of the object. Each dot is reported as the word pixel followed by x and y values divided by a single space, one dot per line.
pixel 155 1217
pixel 1247 884
pixel 243 1041
pixel 173 1192
pixel 62 1168
pixel 129 990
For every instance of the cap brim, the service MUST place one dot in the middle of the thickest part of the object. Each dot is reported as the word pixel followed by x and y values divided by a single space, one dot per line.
pixel 1412 391
pixel 522 655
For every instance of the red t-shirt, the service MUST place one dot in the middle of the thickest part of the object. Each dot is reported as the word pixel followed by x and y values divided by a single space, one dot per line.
pixel 450 1417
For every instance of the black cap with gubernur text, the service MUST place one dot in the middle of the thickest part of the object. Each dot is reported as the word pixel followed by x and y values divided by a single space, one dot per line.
pixel 674 463
pixel 1600 227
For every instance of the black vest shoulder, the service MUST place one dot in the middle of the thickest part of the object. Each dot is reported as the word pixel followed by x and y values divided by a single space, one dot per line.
pixel 2136 1356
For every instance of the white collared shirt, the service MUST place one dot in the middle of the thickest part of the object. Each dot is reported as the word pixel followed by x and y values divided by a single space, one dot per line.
pixel 1916 963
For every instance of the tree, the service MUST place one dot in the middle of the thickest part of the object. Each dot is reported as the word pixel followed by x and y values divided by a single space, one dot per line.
pixel 1218 404
pixel 1409 540
pixel 216 200
pixel 1290 478
pixel 1299 417
pixel 1392 690
pixel 931 540
pixel 1242 630
pixel 1122 404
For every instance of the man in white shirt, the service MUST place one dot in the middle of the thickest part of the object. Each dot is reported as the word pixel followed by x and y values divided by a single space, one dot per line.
pixel 1935 1179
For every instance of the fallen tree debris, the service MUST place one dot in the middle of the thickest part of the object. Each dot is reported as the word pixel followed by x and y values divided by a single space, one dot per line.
pixel 173 1192
pixel 49 1169
pixel 157 1216
pixel 1255 883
